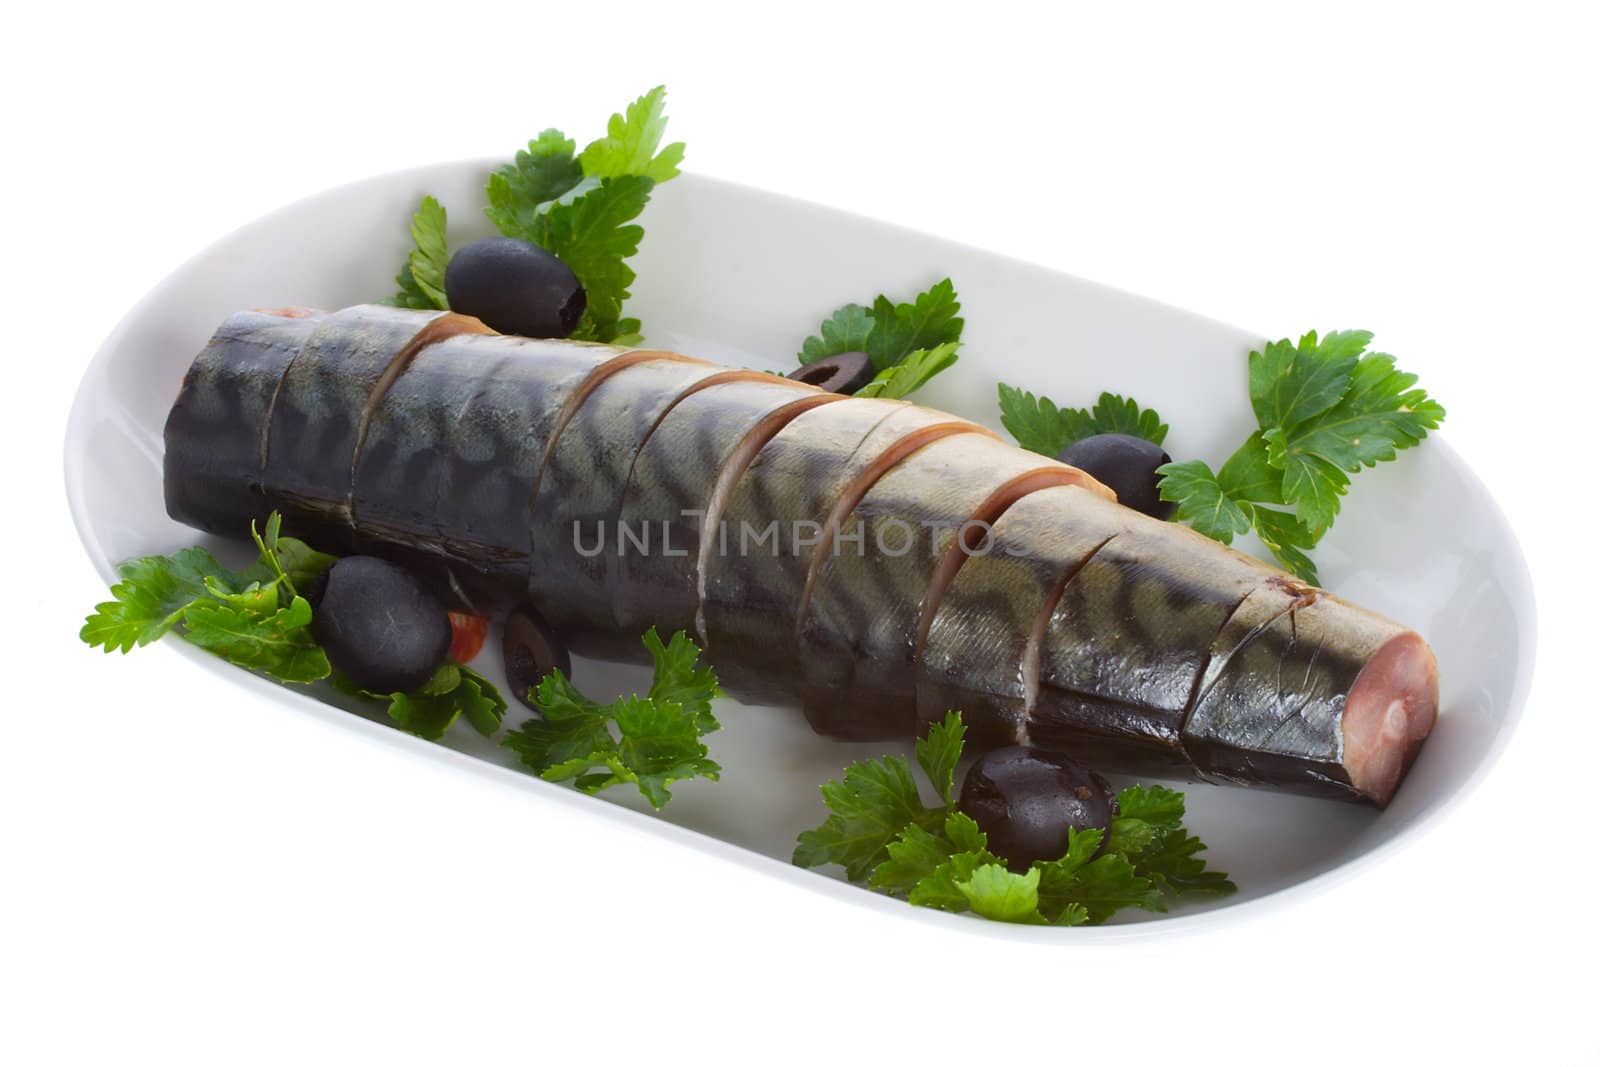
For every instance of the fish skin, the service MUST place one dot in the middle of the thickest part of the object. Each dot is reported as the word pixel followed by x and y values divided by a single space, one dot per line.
pixel 453 454
pixel 584 477
pixel 1271 708
pixel 676 471
pixel 976 656
pixel 316 418
pixel 752 599
pixel 216 431
pixel 1126 644
pixel 857 632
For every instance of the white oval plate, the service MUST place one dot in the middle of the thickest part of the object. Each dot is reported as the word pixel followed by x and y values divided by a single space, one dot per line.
pixel 742 276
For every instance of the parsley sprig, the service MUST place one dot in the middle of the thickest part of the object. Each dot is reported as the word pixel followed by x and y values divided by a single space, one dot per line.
pixel 1040 426
pixel 908 343
pixel 257 619
pixel 1325 409
pixel 580 207
pixel 254 618
pixel 649 741
pixel 884 836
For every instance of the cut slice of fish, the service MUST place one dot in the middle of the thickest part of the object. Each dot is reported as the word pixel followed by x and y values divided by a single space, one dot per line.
pixel 216 432
pixel 982 651
pixel 886 568
pixel 1128 640
pixel 789 502
pixel 668 522
pixel 581 490
pixel 453 454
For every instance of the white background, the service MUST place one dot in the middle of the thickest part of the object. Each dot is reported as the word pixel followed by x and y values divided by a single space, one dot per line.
pixel 187 877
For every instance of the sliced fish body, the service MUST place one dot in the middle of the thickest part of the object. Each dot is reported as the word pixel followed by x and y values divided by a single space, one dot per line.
pixel 1128 639
pixel 823 461
pixel 670 509
pixel 858 629
pixel 319 415
pixel 580 492
pixel 216 432
pixel 453 452
pixel 983 648
pixel 1325 698
pixel 1135 644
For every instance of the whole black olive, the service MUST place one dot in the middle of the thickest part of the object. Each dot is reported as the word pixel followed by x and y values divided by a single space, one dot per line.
pixel 1026 800
pixel 532 650
pixel 515 287
pixel 844 373
pixel 1125 464
pixel 378 625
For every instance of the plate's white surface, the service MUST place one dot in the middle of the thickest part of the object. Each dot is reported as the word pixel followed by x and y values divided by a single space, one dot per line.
pixel 742 276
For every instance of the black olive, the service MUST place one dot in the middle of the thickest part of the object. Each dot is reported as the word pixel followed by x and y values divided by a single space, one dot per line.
pixel 1026 800
pixel 844 373
pixel 515 287
pixel 1126 465
pixel 380 628
pixel 532 650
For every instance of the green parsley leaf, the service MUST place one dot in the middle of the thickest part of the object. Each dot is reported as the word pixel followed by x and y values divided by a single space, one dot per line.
pixel 594 236
pixel 278 645
pixel 680 680
pixel 1202 502
pixel 151 598
pixel 912 373
pixel 520 191
pixel 285 559
pixel 1379 414
pixel 938 752
pixel 901 329
pixel 433 707
pixel 997 893
pixel 1100 887
pixel 421 280
pixel 882 834
pixel 908 343
pixel 1286 537
pixel 1150 833
pixel 1326 408
pixel 631 142
pixel 874 803
pixel 1040 426
pixel 657 737
pixel 846 330
pixel 1156 805
pixel 410 294
pixel 942 888
pixel 1289 383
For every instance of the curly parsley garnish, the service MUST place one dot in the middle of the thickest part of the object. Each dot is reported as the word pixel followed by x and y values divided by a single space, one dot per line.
pixel 908 343
pixel 649 741
pixel 254 618
pixel 885 837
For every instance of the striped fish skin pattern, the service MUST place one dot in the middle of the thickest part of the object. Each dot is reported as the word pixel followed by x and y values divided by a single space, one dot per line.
pixel 1271 708
pixel 857 633
pixel 317 417
pixel 216 430
pixel 1080 625
pixel 671 483
pixel 753 597
pixel 1128 639
pixel 584 477
pixel 982 644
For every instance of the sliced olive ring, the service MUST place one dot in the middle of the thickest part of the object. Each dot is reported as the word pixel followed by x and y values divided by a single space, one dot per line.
pixel 844 373
pixel 532 650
